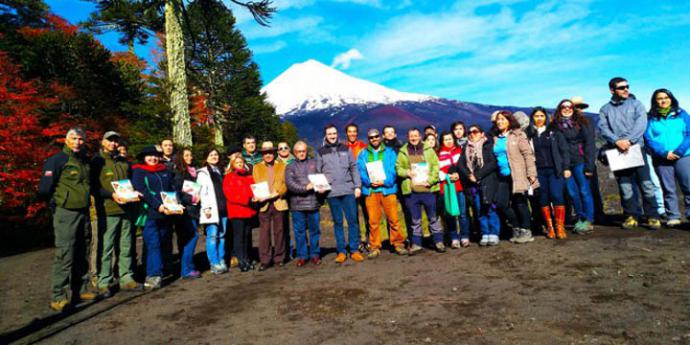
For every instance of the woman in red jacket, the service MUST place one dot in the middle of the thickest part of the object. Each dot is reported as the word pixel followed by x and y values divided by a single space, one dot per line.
pixel 448 156
pixel 240 205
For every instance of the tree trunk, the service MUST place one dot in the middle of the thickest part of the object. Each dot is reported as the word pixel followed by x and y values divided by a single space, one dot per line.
pixel 218 135
pixel 174 44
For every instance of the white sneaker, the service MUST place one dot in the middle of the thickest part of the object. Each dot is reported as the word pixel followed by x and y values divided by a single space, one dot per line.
pixel 493 240
pixel 673 222
pixel 455 244
pixel 484 241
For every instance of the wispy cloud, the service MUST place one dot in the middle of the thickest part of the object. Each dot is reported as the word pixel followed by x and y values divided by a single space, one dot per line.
pixel 269 47
pixel 344 60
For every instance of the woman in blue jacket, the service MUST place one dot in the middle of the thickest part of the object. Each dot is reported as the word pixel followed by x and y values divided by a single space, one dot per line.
pixel 668 137
pixel 150 178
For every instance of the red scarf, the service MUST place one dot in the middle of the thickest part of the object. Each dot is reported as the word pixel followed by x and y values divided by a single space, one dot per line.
pixel 150 168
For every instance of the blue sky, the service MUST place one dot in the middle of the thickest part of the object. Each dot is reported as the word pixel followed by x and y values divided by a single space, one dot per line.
pixel 509 52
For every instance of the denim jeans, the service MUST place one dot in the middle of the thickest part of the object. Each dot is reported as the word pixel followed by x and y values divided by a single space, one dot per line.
pixel 414 203
pixel 551 187
pixel 580 193
pixel 669 172
pixel 639 176
pixel 215 241
pixel 301 220
pixel 489 223
pixel 658 190
pixel 187 237
pixel 155 230
pixel 452 222
pixel 346 204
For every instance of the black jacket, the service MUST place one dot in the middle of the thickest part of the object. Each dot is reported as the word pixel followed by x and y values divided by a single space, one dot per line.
pixel 487 175
pixel 186 199
pixel 582 146
pixel 560 150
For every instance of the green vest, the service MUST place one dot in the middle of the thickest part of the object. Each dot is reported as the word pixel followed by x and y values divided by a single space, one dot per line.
pixel 72 190
pixel 110 170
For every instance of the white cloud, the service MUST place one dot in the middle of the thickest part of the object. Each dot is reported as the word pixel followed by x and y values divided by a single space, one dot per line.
pixel 269 48
pixel 344 60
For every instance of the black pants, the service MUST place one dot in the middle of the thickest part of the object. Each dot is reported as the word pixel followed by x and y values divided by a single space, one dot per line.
pixel 512 206
pixel 240 235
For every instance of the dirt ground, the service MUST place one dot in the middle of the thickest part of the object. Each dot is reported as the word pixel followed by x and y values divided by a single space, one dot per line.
pixel 610 287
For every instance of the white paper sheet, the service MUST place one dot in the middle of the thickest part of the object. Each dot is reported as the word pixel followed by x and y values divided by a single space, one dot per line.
pixel 375 171
pixel 319 181
pixel 261 190
pixel 421 173
pixel 625 160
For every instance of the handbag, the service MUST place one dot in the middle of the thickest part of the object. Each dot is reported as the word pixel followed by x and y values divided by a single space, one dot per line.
pixel 450 199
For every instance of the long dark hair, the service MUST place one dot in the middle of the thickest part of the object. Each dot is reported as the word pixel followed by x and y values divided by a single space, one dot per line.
pixel 512 122
pixel 180 165
pixel 654 108
pixel 578 116
pixel 220 157
pixel 455 124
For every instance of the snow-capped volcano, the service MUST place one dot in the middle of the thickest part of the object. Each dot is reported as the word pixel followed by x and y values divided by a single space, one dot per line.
pixel 312 85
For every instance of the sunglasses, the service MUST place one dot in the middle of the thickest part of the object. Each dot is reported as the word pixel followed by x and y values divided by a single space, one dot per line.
pixel 474 131
pixel 567 106
pixel 623 87
pixel 374 137
pixel 284 148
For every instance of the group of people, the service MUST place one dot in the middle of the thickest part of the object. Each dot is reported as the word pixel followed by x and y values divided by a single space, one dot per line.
pixel 525 169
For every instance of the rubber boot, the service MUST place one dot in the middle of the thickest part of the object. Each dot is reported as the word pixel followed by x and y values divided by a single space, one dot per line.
pixel 546 213
pixel 559 212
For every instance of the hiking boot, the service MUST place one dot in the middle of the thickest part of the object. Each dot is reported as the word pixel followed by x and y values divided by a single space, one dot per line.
pixel 415 249
pixel 300 262
pixel 440 247
pixel 654 223
pixel 673 223
pixel 152 283
pixel 131 286
pixel 630 223
pixel 357 257
pixel 234 262
pixel 340 258
pixel 192 275
pixel 401 251
pixel 59 305
pixel 316 260
pixel 374 254
pixel 105 292
pixel 88 296
pixel 484 241
pixel 455 244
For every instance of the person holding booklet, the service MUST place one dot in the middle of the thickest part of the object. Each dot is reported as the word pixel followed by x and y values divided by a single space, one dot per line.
pixel 153 180
pixel 269 191
pixel 417 164
pixel 448 156
pixel 376 165
pixel 186 224
pixel 237 186
pixel 213 212
pixel 622 123
pixel 116 204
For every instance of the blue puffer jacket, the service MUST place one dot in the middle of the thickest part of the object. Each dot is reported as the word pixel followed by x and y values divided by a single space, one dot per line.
pixel 389 158
pixel 623 119
pixel 670 133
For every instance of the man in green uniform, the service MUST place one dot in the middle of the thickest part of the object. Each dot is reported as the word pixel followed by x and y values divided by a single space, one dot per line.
pixel 115 214
pixel 65 181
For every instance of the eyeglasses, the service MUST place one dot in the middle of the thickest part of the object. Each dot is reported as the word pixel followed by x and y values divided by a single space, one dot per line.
pixel 374 137
pixel 623 87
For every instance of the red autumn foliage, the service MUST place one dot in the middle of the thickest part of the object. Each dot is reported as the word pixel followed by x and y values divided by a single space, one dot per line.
pixel 199 111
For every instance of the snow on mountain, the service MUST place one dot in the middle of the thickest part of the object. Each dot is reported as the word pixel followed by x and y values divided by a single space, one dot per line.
pixel 311 85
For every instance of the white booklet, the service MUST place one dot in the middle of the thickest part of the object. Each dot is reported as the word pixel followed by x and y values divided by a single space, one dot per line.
pixel 125 190
pixel 376 172
pixel 319 181
pixel 261 190
pixel 192 188
pixel 625 160
pixel 421 176
pixel 171 203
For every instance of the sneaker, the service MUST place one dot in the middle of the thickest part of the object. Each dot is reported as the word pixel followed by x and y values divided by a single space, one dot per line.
pixel 525 236
pixel 218 269
pixel 340 258
pixel 363 247
pixel 262 267
pixel 152 283
pixel 493 240
pixel 578 227
pixel 630 223
pixel 440 247
pixel 105 292
pixel 88 296
pixel 415 249
pixel 516 235
pixel 455 244
pixel 401 251
pixel 131 286
pixel 374 254
pixel 59 305
pixel 234 262
pixel 673 223
pixel 223 266
pixel 654 223
pixel 484 241
pixel 466 243
pixel 300 262
pixel 357 256
pixel 316 260
pixel 192 275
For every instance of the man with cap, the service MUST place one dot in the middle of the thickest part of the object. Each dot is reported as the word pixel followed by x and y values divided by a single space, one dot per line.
pixel 272 209
pixel 380 194
pixel 115 223
pixel 65 183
